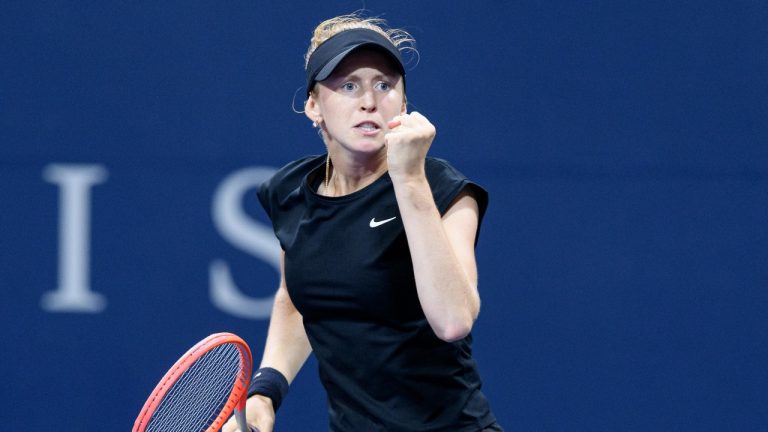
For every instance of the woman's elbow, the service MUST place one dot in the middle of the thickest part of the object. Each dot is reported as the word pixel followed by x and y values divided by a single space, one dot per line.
pixel 455 330
pixel 451 327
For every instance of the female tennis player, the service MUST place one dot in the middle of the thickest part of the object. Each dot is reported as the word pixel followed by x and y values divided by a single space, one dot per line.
pixel 378 274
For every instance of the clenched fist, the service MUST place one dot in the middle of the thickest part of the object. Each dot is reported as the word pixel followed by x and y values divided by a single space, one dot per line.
pixel 408 141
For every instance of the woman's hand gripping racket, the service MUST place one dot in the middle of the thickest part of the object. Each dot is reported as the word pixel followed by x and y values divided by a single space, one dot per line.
pixel 202 389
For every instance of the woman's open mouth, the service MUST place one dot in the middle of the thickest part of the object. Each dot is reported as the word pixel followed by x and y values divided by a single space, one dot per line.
pixel 368 128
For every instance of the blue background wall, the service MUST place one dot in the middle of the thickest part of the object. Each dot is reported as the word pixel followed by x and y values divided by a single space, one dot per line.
pixel 623 261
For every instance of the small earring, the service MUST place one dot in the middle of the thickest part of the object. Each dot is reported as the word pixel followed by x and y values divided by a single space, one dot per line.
pixel 314 124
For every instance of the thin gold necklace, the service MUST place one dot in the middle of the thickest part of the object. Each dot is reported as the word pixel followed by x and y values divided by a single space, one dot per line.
pixel 327 172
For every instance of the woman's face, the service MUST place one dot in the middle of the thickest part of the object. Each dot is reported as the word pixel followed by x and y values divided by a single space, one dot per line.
pixel 355 103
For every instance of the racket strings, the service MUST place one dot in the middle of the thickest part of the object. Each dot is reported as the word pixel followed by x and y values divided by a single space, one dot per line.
pixel 198 396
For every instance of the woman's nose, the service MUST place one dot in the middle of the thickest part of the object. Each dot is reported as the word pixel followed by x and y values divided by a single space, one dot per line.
pixel 368 101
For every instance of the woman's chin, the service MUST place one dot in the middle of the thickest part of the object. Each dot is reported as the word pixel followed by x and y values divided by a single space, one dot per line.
pixel 366 146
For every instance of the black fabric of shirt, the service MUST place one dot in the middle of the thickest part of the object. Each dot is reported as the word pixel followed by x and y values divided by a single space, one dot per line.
pixel 380 362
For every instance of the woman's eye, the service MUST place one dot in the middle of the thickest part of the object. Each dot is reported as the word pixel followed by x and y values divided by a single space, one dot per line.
pixel 383 86
pixel 348 86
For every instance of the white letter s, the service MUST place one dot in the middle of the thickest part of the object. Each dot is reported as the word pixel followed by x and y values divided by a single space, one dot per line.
pixel 245 234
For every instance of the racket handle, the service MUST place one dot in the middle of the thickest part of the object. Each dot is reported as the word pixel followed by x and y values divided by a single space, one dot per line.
pixel 243 425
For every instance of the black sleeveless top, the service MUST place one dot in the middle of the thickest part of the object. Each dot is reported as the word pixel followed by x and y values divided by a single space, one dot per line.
pixel 349 273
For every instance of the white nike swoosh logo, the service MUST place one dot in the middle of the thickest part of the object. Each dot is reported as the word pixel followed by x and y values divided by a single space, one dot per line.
pixel 374 223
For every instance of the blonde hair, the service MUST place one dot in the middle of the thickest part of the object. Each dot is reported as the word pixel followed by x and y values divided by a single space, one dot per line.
pixel 401 39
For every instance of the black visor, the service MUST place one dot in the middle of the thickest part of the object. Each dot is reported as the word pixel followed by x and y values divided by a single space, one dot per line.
pixel 330 53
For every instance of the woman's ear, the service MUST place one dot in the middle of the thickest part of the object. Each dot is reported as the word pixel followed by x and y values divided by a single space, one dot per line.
pixel 312 110
pixel 404 108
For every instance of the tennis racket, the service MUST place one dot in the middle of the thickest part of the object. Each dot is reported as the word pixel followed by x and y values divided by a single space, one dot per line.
pixel 202 389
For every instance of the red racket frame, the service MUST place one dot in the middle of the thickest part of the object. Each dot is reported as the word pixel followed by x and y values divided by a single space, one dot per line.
pixel 236 398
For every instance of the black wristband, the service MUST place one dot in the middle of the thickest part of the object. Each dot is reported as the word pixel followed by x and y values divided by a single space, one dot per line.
pixel 271 383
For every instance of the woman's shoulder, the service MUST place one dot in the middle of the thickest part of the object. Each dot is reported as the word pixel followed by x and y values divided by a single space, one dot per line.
pixel 300 166
pixel 286 181
pixel 447 182
pixel 292 174
pixel 441 170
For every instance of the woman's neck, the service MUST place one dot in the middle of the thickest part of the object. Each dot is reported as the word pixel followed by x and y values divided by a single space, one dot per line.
pixel 349 174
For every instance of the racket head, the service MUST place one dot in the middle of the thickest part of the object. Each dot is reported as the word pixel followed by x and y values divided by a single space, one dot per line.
pixel 203 387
